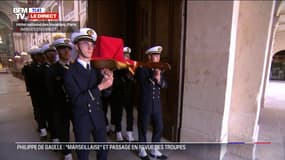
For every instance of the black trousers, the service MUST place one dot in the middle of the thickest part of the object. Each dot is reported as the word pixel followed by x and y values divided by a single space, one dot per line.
pixel 46 116
pixel 36 112
pixel 118 108
pixel 41 112
pixel 62 121
pixel 106 102
pixel 143 122
pixel 84 129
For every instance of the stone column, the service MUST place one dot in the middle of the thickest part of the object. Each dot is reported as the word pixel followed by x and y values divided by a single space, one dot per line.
pixel 266 78
pixel 253 37
pixel 209 55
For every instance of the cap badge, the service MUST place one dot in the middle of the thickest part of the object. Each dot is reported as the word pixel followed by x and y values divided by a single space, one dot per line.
pixel 66 41
pixel 90 32
pixel 159 49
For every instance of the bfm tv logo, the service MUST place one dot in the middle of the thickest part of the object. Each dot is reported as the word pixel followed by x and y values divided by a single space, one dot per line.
pixel 34 14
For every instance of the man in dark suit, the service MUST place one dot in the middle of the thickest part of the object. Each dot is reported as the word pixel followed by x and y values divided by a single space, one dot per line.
pixel 149 110
pixel 61 109
pixel 85 86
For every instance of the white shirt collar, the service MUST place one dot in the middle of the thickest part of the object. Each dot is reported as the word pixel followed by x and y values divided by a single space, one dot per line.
pixel 83 63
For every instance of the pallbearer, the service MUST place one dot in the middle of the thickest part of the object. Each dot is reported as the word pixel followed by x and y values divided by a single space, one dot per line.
pixel 149 110
pixel 85 86
pixel 122 97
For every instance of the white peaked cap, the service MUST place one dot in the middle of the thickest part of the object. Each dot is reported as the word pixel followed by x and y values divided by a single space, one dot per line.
pixel 34 50
pixel 155 49
pixel 84 33
pixel 47 47
pixel 64 42
pixel 127 50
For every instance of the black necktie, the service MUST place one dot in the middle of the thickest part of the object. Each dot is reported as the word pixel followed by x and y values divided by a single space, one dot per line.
pixel 88 67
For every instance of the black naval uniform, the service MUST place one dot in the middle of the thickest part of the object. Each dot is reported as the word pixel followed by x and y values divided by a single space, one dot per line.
pixel 149 109
pixel 35 79
pixel 82 86
pixel 122 97
pixel 25 72
pixel 61 109
pixel 46 99
pixel 29 72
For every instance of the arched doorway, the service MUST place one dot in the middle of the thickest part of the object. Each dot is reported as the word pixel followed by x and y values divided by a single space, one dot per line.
pixel 277 71
pixel 143 24
pixel 6 41
pixel 272 113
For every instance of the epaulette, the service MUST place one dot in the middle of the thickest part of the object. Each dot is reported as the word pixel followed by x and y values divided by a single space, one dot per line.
pixel 65 67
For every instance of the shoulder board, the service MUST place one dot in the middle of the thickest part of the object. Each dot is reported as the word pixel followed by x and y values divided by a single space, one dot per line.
pixel 65 67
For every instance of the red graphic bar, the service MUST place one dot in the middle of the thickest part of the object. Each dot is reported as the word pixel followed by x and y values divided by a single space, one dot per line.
pixel 43 16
